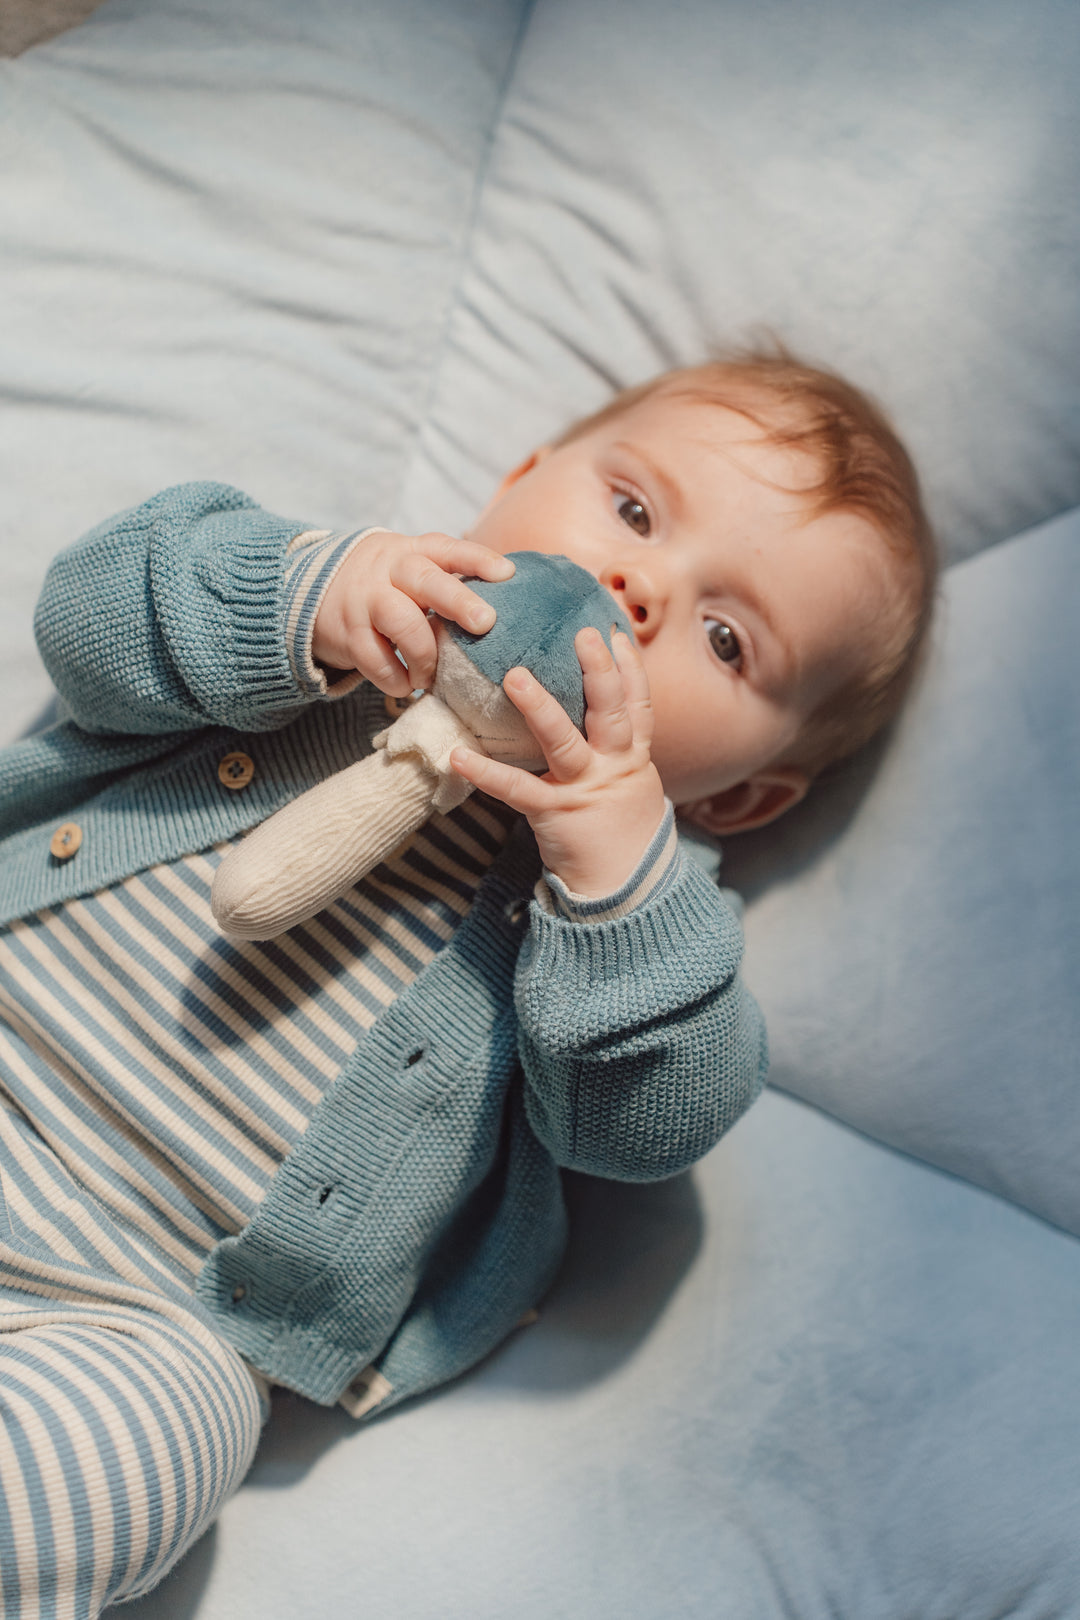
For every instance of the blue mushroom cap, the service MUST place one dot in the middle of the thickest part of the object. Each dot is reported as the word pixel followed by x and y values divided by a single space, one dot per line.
pixel 540 611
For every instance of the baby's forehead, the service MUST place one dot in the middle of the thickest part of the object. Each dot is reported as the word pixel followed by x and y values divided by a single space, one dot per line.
pixel 756 408
pixel 777 441
pixel 872 582
pixel 768 430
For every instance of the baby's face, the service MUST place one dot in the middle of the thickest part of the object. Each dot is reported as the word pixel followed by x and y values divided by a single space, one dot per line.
pixel 747 611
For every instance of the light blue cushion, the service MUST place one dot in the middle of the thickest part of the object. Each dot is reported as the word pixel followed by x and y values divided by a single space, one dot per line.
pixel 913 931
pixel 232 235
pixel 815 1380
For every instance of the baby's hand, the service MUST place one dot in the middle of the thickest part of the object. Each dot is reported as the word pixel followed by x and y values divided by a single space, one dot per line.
pixel 378 601
pixel 597 808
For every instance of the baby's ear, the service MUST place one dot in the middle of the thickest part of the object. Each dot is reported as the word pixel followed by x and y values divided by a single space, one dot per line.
pixel 519 471
pixel 511 479
pixel 753 803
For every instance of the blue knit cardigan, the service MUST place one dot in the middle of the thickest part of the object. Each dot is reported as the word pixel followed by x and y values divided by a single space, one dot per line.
pixel 531 1042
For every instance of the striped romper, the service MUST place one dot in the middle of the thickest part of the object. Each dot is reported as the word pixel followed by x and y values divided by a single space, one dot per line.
pixel 153 1077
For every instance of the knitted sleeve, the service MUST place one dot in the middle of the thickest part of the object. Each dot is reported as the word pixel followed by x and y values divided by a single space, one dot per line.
pixel 170 616
pixel 640 1043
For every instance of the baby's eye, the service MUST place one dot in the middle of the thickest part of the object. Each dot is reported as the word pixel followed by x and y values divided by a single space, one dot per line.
pixel 723 641
pixel 633 514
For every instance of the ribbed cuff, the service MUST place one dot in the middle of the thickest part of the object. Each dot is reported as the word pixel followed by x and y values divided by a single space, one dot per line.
pixel 655 872
pixel 313 559
pixel 576 979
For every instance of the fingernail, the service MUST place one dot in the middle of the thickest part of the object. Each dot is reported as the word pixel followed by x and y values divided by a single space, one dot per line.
pixel 506 567
pixel 482 618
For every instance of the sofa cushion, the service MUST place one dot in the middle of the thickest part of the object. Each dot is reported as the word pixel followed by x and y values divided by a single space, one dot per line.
pixel 231 237
pixel 913 930
pixel 812 1379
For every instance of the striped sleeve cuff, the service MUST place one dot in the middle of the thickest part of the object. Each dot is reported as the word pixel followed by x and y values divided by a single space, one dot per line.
pixel 654 874
pixel 311 561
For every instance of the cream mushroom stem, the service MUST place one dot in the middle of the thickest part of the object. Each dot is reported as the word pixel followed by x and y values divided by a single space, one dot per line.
pixel 315 849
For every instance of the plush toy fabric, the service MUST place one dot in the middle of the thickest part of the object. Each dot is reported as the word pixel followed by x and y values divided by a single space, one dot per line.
pixel 311 852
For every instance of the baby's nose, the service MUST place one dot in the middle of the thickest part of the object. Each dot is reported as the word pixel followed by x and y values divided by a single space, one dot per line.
pixel 638 596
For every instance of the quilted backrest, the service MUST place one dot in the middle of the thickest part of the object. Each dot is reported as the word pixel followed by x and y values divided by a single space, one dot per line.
pixel 888 188
pixel 232 236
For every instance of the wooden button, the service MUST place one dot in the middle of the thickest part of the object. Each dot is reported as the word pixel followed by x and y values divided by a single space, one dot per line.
pixel 236 771
pixel 65 840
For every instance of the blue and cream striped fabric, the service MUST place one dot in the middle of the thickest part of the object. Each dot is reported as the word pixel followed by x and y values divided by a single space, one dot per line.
pixel 153 1077
pixel 172 1069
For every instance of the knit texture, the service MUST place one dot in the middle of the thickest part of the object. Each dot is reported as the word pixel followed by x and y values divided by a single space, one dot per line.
pixel 619 1047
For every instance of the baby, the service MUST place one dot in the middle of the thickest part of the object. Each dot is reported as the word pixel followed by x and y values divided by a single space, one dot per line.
pixel 331 1160
pixel 756 520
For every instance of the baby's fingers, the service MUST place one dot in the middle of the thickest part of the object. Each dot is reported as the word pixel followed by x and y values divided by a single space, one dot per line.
pixel 636 687
pixel 565 749
pixel 607 716
pixel 427 583
pixel 427 572
pixel 397 621
pixel 526 794
pixel 463 556
pixel 374 656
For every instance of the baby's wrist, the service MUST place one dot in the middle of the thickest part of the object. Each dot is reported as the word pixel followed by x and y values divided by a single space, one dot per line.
pixel 586 882
pixel 314 563
pixel 599 892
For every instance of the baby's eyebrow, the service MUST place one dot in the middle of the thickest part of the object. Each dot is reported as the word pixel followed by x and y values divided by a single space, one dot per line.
pixel 673 494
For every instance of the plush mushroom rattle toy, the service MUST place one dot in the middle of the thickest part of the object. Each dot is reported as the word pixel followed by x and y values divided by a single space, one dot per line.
pixel 312 852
